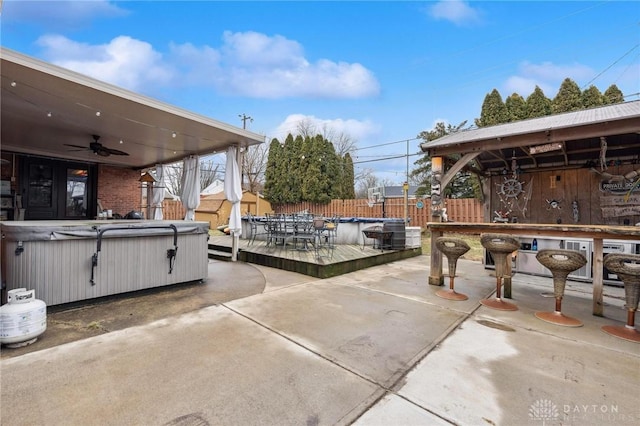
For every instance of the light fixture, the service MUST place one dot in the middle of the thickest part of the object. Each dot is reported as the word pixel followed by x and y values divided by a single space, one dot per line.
pixel 49 114
pixel 173 135
pixel 436 163
pixel 121 142
pixel 14 84
pixel 97 113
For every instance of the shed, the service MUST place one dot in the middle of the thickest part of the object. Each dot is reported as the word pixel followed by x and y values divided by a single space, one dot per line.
pixel 215 208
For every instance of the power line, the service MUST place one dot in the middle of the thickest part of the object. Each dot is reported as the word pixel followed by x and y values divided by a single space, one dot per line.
pixel 387 143
pixel 388 158
pixel 615 62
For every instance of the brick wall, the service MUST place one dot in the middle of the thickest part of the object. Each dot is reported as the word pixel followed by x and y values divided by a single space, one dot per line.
pixel 119 189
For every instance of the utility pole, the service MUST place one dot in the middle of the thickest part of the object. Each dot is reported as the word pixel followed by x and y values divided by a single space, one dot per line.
pixel 244 119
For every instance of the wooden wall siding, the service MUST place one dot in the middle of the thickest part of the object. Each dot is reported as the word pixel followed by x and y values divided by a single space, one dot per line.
pixel 595 207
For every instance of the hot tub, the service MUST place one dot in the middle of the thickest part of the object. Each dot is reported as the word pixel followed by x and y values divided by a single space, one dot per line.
pixel 69 261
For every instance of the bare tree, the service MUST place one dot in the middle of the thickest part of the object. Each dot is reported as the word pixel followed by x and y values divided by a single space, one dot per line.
pixel 254 164
pixel 209 172
pixel 342 142
pixel 365 180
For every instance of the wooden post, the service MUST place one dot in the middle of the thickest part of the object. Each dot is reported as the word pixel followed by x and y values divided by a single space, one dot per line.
pixel 597 277
pixel 506 280
pixel 437 170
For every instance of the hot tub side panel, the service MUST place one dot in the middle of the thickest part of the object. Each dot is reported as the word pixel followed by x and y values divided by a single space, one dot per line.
pixel 60 270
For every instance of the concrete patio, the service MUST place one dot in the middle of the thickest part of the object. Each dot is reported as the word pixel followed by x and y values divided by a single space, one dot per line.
pixel 254 345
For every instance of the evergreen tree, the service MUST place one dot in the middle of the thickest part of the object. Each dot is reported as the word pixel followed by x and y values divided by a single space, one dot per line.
pixel 613 95
pixel 314 186
pixel 493 110
pixel 331 170
pixel 592 97
pixel 568 98
pixel 464 184
pixel 538 105
pixel 348 191
pixel 516 108
pixel 272 178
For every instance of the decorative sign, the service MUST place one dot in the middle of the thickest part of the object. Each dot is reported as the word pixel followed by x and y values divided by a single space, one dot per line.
pixel 554 146
pixel 620 187
pixel 419 204
pixel 612 212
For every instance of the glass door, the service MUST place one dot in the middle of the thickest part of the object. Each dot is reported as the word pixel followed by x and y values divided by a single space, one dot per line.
pixel 58 190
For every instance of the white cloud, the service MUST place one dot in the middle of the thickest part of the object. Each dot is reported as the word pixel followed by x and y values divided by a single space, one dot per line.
pixel 247 64
pixel 457 11
pixel 259 66
pixel 123 61
pixel 55 14
pixel 356 129
pixel 548 76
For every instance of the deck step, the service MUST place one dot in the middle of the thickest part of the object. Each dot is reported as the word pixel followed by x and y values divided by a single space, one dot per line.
pixel 219 254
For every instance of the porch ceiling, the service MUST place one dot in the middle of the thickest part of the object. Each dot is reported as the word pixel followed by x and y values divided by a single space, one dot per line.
pixel 80 107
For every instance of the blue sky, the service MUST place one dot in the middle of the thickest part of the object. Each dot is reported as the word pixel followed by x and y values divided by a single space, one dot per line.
pixel 378 71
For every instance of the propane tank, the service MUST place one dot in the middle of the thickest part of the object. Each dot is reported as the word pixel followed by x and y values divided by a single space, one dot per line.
pixel 22 319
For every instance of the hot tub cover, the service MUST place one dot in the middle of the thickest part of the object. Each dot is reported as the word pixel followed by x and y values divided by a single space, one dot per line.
pixel 49 230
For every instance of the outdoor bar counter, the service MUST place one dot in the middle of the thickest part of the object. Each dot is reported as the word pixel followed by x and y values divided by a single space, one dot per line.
pixel 69 261
pixel 597 233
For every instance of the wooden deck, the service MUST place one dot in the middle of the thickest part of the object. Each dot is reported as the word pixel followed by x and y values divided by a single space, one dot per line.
pixel 324 264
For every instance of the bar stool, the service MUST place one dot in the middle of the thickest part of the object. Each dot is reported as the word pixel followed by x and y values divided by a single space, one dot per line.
pixel 560 262
pixel 627 266
pixel 453 248
pixel 500 246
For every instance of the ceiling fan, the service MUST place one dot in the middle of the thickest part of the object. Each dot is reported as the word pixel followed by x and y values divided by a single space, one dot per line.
pixel 98 148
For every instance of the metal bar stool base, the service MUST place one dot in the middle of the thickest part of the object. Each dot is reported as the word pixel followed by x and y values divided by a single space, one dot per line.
pixel 451 295
pixel 558 318
pixel 499 304
pixel 622 332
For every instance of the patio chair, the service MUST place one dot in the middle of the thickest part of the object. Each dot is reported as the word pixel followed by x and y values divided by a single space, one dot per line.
pixel 453 248
pixel 256 228
pixel 500 246
pixel 561 263
pixel 303 232
pixel 331 230
pixel 627 266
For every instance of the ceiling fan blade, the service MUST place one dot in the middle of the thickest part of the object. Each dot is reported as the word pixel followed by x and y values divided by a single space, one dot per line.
pixel 115 151
pixel 77 146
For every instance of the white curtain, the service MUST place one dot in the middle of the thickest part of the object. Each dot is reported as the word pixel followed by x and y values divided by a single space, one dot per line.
pixel 190 196
pixel 158 193
pixel 233 191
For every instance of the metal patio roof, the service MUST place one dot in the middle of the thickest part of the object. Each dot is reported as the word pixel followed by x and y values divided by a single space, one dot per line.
pixel 563 140
pixel 44 107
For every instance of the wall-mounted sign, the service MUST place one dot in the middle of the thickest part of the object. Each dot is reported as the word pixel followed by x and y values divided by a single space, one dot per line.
pixel 419 204
pixel 620 187
pixel 554 146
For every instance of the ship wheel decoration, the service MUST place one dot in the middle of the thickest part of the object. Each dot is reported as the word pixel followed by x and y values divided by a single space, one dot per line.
pixel 510 188
pixel 514 197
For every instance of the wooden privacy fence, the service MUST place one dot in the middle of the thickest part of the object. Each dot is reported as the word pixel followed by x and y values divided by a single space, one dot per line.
pixel 173 210
pixel 467 210
pixel 458 210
